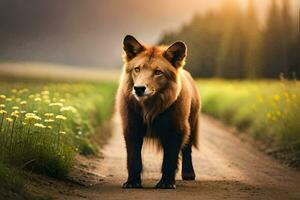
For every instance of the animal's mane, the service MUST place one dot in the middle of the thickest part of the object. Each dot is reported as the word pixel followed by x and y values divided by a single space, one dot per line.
pixel 163 99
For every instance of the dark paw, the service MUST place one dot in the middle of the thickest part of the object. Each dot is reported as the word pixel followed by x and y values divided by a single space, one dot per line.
pixel 132 184
pixel 188 176
pixel 165 185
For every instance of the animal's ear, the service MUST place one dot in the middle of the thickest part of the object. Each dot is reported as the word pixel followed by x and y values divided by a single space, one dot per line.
pixel 132 47
pixel 176 54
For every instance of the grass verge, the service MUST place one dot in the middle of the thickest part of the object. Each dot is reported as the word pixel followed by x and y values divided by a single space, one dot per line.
pixel 44 124
pixel 269 111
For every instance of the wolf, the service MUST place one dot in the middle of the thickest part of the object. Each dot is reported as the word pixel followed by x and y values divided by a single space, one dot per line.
pixel 158 99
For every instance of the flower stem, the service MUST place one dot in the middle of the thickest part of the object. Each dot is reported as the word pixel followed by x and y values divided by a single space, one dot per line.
pixel 11 138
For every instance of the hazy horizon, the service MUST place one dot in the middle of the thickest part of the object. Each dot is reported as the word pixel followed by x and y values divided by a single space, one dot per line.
pixel 90 33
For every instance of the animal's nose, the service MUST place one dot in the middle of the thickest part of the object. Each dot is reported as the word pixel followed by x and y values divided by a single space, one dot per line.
pixel 139 90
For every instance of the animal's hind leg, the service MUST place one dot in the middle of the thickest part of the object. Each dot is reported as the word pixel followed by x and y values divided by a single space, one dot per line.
pixel 187 171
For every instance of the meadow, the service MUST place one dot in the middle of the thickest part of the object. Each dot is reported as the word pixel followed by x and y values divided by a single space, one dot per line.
pixel 266 110
pixel 44 125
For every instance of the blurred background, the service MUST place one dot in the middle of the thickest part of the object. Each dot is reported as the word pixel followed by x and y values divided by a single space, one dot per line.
pixel 225 38
pixel 60 62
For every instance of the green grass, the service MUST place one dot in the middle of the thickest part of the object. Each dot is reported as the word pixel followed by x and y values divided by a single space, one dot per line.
pixel 11 179
pixel 12 184
pixel 269 111
pixel 43 125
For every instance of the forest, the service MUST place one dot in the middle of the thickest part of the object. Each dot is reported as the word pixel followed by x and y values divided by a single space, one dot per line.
pixel 235 43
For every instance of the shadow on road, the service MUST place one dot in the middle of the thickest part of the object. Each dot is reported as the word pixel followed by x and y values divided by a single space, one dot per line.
pixel 205 189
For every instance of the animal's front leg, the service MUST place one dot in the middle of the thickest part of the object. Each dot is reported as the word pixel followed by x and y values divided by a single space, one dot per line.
pixel 171 146
pixel 134 144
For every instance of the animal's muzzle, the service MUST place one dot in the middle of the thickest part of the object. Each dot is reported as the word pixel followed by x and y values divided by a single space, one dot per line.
pixel 139 90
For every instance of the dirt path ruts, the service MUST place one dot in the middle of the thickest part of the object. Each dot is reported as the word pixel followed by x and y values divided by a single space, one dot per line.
pixel 226 168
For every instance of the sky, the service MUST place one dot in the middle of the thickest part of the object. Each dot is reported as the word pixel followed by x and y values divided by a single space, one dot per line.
pixel 90 32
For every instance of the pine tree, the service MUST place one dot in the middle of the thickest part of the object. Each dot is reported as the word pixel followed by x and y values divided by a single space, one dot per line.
pixel 287 34
pixel 253 46
pixel 272 43
pixel 230 58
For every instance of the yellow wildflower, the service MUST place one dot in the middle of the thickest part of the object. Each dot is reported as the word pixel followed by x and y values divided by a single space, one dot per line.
pixel 8 99
pixel 15 108
pixel 2 96
pixel 68 108
pixel 276 97
pixel 3 112
pixel 14 90
pixel 23 102
pixel 56 104
pixel 23 90
pixel 2 106
pixel 45 92
pixel 39 125
pixel 37 99
pixel 61 117
pixel 49 120
pixel 31 116
pixel 62 132
pixel 9 119
pixel 49 115
pixel 15 114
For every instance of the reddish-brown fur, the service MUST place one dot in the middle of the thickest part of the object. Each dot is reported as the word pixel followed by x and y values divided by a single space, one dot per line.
pixel 167 111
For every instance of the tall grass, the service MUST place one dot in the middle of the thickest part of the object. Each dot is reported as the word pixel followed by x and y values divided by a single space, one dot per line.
pixel 42 126
pixel 267 110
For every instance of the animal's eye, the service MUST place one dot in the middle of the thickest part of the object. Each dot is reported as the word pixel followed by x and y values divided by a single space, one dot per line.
pixel 158 72
pixel 137 69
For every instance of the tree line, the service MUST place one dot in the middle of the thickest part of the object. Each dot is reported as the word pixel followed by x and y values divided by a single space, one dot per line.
pixel 234 43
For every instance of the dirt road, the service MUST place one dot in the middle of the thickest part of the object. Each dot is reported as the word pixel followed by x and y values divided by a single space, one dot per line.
pixel 226 168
